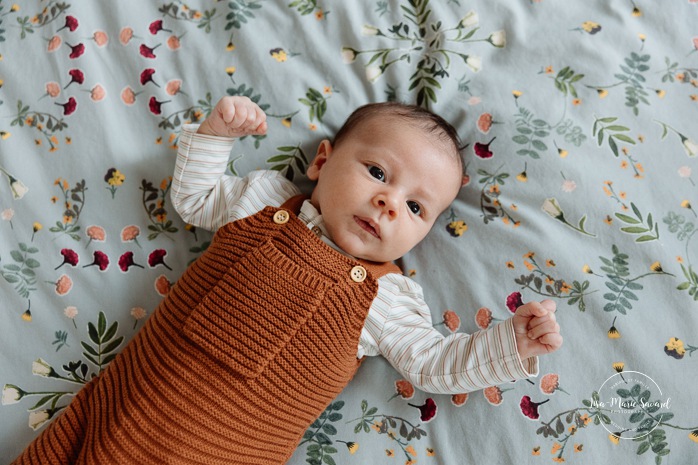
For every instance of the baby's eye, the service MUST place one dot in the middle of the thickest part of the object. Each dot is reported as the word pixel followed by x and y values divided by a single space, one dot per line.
pixel 414 207
pixel 376 173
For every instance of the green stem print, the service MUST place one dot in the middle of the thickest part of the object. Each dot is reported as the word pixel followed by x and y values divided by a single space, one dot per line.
pixel 192 114
pixel 99 350
pixel 74 203
pixel 637 225
pixel 557 288
pixel 49 13
pixel 532 131
pixel 370 419
pixel 690 146
pixel 683 75
pixel 45 123
pixel 316 103
pixel 318 436
pixel 154 201
pixel 289 157
pixel 621 286
pixel 180 11
pixel 648 425
pixel 241 12
pixel 677 224
pixel 428 44
pixel 552 208
pixel 22 273
pixel 614 130
pixel 306 7
pixel 490 206
pixel 631 77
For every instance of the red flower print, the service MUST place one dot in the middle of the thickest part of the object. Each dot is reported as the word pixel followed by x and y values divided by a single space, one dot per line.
pixel 75 76
pixel 76 50
pixel 530 408
pixel 101 260
pixel 155 105
pixel 69 107
pixel 156 26
pixel 427 412
pixel 71 22
pixel 126 261
pixel 69 257
pixel 157 257
pixel 514 301
pixel 147 52
pixel 483 150
pixel 147 76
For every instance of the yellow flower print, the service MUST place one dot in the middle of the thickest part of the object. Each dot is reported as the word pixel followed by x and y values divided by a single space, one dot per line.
pixel 390 452
pixel 636 12
pixel 510 265
pixel 578 447
pixel 230 47
pixel 430 452
pixel 591 27
pixel 693 436
pixel 279 54
pixel 556 448
pixel 410 450
pixel 603 93
pixel 517 93
pixel 536 451
pixel 549 70
pixel 576 102
pixel 457 228
pixel 656 267
pixel 614 438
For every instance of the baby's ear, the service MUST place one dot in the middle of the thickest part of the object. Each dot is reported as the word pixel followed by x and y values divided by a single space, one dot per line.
pixel 323 152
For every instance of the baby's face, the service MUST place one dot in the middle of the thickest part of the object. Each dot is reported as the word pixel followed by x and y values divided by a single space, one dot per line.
pixel 383 187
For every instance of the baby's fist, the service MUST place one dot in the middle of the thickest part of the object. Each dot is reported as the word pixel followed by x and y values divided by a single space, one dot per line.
pixel 235 117
pixel 536 329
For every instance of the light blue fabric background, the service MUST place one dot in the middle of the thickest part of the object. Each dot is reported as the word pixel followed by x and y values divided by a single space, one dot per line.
pixel 280 52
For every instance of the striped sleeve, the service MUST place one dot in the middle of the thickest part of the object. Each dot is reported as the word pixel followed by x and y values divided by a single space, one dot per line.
pixel 206 197
pixel 399 327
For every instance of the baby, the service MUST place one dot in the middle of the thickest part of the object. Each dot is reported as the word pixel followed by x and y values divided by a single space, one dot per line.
pixel 271 322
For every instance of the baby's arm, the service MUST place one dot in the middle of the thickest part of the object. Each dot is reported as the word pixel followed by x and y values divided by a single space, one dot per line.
pixel 202 193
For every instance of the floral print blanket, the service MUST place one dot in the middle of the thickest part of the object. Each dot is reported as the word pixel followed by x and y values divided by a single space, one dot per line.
pixel 579 186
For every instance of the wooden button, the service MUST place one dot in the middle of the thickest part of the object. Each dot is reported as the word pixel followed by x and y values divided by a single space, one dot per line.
pixel 317 231
pixel 281 217
pixel 358 274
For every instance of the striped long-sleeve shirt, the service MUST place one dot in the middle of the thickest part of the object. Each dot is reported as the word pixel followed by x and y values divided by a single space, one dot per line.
pixel 399 325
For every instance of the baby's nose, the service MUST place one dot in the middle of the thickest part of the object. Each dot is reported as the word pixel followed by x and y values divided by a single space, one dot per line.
pixel 388 206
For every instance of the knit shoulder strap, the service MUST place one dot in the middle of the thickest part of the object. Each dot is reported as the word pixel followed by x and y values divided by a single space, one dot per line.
pixel 377 269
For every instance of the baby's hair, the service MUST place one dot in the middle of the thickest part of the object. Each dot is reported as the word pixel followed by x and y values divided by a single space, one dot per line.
pixel 425 119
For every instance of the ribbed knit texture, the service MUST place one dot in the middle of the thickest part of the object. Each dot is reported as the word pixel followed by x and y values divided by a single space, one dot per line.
pixel 249 347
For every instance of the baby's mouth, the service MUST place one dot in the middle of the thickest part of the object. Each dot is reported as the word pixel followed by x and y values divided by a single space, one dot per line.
pixel 369 226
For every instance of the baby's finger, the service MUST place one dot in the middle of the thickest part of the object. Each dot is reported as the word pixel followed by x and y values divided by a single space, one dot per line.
pixel 539 320
pixel 552 340
pixel 549 305
pixel 240 118
pixel 543 328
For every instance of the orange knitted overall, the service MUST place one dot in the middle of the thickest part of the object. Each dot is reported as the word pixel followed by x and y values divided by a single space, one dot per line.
pixel 254 341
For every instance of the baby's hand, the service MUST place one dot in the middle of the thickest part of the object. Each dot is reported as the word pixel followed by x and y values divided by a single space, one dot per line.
pixel 537 332
pixel 235 117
